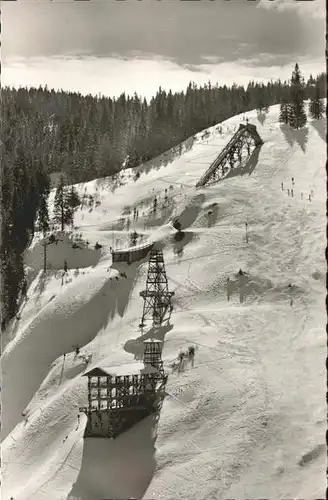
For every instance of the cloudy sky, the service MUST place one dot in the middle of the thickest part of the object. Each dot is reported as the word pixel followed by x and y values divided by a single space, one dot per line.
pixel 109 47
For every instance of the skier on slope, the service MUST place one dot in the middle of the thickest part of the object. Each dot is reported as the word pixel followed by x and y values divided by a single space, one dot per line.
pixel 228 288
pixel 290 289
pixel 191 355
pixel 181 358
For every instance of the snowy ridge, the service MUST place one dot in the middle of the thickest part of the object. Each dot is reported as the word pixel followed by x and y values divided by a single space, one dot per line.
pixel 248 420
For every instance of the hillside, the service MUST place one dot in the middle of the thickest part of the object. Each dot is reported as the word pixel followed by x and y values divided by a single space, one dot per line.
pixel 248 420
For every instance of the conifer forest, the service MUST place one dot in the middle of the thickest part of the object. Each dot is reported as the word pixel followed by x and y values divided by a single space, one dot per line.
pixel 87 137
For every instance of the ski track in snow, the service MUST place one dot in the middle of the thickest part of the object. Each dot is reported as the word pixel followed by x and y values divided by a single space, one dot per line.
pixel 248 419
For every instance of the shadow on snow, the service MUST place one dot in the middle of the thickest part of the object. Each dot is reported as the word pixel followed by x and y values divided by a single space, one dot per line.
pixel 292 135
pixel 44 341
pixel 121 467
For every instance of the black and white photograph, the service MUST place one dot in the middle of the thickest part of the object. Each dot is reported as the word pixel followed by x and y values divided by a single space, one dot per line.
pixel 163 237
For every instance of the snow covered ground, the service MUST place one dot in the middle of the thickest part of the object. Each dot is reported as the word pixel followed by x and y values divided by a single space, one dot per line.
pixel 248 420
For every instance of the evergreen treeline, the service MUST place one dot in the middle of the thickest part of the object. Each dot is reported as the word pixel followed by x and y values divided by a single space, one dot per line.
pixel 85 137
pixel 25 182
pixel 292 107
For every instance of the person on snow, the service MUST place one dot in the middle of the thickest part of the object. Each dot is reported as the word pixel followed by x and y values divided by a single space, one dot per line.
pixel 292 193
pixel 282 186
pixel 181 358
pixel 293 182
pixel 289 290
pixel 240 272
pixel 191 354
pixel 288 192
pixel 228 288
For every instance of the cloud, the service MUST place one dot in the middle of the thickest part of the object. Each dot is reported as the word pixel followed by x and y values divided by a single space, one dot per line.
pixel 314 9
pixel 184 32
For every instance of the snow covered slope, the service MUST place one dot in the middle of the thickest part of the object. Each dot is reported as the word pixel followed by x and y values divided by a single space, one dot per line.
pixel 248 420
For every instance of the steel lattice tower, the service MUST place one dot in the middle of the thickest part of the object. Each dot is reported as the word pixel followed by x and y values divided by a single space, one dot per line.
pixel 157 306
pixel 153 355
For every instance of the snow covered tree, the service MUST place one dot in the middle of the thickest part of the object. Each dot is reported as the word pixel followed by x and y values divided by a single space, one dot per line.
pixel 43 215
pixel 62 209
pixel 298 116
pixel 316 107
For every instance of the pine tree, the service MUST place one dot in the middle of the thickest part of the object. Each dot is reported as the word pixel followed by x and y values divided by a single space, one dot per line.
pixel 73 201
pixel 284 113
pixel 62 209
pixel 262 100
pixel 316 107
pixel 73 198
pixel 133 239
pixel 43 216
pixel 298 116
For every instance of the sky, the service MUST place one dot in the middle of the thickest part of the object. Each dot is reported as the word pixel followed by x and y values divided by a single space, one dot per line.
pixel 110 47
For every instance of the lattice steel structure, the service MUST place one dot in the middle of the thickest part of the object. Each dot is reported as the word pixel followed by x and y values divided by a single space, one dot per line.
pixel 235 153
pixel 153 356
pixel 117 401
pixel 157 306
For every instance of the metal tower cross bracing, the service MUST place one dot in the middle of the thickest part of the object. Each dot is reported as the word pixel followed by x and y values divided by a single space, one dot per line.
pixel 234 154
pixel 157 306
pixel 153 356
